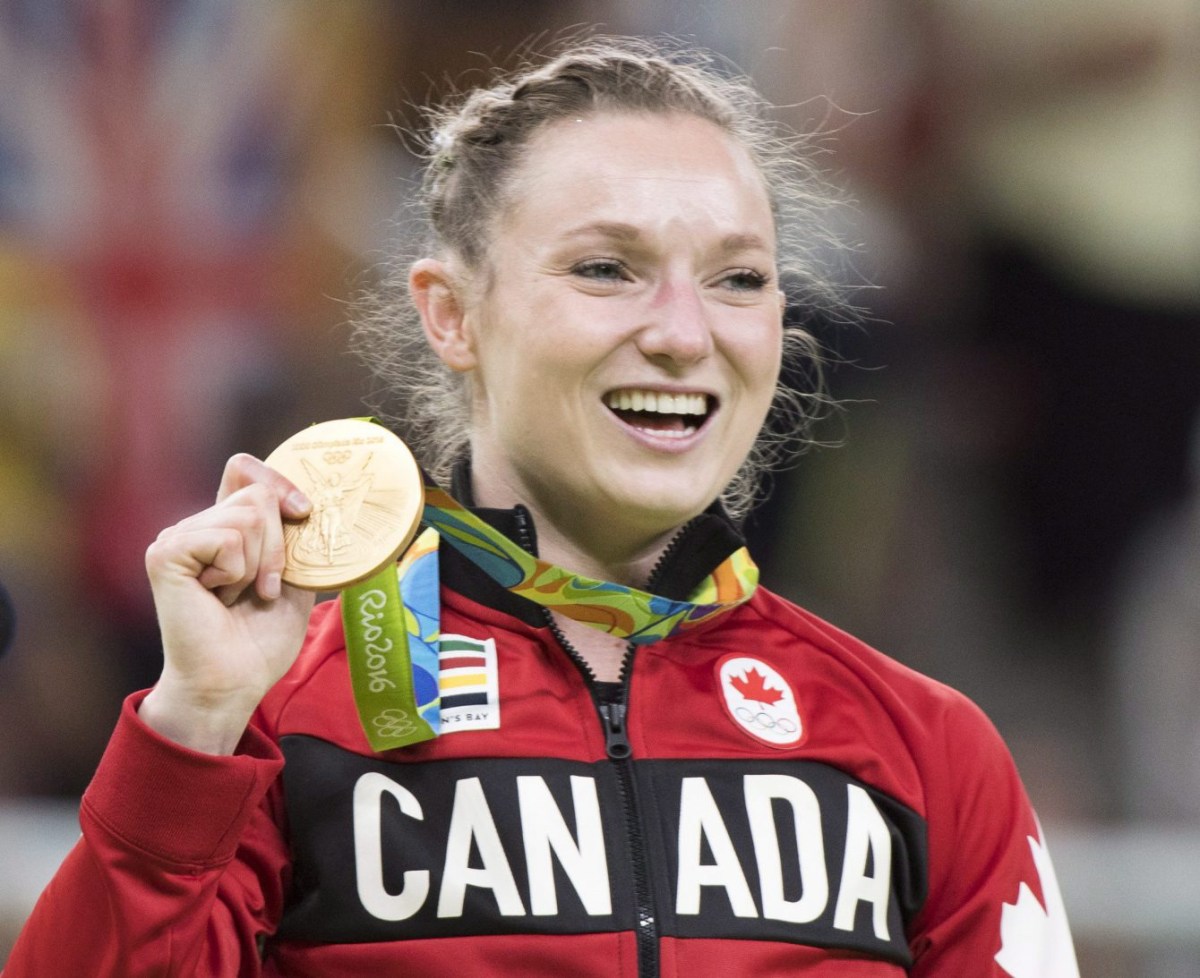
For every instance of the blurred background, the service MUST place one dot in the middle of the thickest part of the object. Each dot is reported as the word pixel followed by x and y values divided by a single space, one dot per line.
pixel 191 191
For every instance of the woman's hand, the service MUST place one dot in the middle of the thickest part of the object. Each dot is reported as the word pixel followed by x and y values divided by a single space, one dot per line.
pixel 230 628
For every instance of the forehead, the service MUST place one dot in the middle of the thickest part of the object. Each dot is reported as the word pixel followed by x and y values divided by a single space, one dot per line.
pixel 651 167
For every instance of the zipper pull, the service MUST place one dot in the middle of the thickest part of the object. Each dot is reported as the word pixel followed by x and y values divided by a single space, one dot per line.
pixel 616 744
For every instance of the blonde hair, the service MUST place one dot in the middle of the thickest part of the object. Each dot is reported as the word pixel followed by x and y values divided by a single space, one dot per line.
pixel 474 147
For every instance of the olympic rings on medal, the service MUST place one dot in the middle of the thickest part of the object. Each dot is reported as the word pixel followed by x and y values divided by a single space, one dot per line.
pixel 765 721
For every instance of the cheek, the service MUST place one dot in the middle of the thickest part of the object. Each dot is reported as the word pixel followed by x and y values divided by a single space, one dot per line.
pixel 759 364
pixel 761 386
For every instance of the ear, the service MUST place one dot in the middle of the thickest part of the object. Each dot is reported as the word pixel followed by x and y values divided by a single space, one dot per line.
pixel 437 296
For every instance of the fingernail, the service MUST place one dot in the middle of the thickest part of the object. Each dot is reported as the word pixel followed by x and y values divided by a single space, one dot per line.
pixel 298 502
pixel 271 587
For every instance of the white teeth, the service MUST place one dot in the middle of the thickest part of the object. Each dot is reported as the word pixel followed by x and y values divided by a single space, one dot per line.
pixel 657 402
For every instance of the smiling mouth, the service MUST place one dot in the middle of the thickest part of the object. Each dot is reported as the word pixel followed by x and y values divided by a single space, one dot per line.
pixel 660 412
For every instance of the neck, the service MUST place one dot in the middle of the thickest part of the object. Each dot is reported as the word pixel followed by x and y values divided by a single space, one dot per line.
pixel 583 543
pixel 631 565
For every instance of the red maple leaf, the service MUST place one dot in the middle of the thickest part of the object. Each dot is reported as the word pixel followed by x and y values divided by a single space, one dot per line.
pixel 753 687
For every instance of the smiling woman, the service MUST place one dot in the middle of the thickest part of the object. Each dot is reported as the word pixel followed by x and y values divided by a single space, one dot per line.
pixel 644 765
pixel 644 264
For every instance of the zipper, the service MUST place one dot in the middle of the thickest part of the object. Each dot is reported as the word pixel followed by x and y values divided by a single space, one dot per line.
pixel 617 746
pixel 620 755
pixel 619 751
pixel 616 743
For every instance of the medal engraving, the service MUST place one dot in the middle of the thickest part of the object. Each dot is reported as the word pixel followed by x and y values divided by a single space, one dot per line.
pixel 367 499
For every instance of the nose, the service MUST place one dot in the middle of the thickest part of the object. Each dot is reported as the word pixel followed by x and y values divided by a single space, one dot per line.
pixel 677 330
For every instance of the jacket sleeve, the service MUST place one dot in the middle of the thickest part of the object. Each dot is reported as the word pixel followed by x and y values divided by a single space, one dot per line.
pixel 994 908
pixel 180 869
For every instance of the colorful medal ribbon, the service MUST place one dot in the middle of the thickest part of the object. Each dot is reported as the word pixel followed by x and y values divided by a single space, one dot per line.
pixel 626 612
pixel 392 620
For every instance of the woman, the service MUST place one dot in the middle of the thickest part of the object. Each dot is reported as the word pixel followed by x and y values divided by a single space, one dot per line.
pixel 757 794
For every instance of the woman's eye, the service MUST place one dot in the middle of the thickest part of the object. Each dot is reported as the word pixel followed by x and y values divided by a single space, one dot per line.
pixel 601 270
pixel 745 280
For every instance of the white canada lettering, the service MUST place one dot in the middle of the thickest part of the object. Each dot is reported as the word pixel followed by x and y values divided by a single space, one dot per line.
pixel 761 791
pixel 471 821
pixel 544 829
pixel 368 850
pixel 473 852
pixel 867 837
pixel 545 837
pixel 868 847
pixel 699 817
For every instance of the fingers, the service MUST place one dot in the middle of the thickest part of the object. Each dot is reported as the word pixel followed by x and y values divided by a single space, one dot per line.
pixel 231 547
pixel 244 470
pixel 264 543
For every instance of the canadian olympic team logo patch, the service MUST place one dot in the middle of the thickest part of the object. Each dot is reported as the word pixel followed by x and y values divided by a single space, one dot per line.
pixel 760 701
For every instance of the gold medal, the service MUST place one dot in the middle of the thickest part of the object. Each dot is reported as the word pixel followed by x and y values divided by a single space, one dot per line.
pixel 367 499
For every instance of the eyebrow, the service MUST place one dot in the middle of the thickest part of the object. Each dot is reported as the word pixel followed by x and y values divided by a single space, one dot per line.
pixel 616 230
pixel 744 242
pixel 629 234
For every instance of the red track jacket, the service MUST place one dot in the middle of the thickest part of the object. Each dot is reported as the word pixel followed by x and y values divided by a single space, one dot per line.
pixel 762 796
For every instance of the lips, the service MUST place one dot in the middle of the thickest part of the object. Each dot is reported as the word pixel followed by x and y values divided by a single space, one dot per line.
pixel 675 414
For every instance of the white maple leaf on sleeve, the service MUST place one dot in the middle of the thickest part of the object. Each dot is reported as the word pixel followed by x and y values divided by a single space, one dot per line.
pixel 1035 940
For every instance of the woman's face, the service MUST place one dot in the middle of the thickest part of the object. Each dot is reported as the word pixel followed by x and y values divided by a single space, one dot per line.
pixel 626 344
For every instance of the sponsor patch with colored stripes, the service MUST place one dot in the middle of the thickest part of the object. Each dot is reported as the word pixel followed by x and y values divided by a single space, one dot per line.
pixel 468 683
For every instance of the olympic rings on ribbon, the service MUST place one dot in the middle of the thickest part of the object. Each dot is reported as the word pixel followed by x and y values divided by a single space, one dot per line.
pixel 393 722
